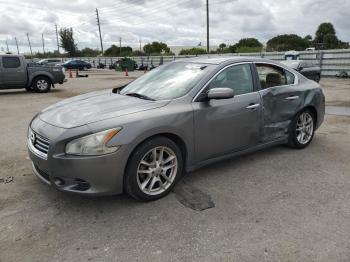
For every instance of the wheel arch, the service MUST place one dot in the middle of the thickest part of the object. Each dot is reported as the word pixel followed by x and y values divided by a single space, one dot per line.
pixel 313 110
pixel 173 137
pixel 40 75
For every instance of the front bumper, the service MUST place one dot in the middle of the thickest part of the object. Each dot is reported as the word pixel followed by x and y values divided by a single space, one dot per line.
pixel 92 175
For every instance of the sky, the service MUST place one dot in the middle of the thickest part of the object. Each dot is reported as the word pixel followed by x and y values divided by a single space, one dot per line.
pixel 180 22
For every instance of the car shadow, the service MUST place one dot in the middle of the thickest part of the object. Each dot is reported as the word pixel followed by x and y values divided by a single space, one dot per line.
pixel 25 92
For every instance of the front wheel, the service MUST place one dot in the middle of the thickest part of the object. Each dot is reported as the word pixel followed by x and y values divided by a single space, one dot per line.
pixel 302 130
pixel 42 84
pixel 153 169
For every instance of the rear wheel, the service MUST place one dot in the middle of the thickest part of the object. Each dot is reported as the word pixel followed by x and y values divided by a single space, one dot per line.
pixel 42 84
pixel 153 169
pixel 302 129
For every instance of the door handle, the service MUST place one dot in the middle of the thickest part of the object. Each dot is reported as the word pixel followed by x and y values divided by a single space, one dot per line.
pixel 292 97
pixel 252 106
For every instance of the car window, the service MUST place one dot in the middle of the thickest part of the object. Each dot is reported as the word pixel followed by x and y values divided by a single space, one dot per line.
pixel 168 81
pixel 271 75
pixel 10 62
pixel 237 77
pixel 290 78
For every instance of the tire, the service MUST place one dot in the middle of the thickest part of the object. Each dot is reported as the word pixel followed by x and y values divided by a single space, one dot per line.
pixel 85 68
pixel 42 84
pixel 302 129
pixel 148 180
pixel 317 78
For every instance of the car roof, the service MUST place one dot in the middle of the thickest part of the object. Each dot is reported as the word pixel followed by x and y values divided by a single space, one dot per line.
pixel 223 59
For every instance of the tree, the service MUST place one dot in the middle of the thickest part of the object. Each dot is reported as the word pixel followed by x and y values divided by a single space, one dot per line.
pixel 249 42
pixel 193 51
pixel 89 52
pixel 67 41
pixel 287 42
pixel 222 46
pixel 326 38
pixel 156 48
pixel 117 51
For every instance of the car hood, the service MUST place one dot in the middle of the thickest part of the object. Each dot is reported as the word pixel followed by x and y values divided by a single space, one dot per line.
pixel 93 107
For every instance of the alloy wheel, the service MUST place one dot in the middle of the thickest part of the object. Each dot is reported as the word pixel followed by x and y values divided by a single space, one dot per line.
pixel 157 170
pixel 304 128
pixel 42 84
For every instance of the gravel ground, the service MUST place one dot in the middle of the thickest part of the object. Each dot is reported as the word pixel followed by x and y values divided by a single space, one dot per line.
pixel 277 204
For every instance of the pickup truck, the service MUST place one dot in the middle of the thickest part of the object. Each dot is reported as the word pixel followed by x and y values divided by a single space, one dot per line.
pixel 15 72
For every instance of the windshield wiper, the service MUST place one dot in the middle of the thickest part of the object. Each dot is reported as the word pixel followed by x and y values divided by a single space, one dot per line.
pixel 140 96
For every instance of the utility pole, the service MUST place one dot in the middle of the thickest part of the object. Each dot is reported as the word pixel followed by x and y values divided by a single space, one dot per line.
pixel 42 38
pixel 207 26
pixel 7 47
pixel 17 45
pixel 140 46
pixel 30 46
pixel 120 46
pixel 99 29
pixel 58 45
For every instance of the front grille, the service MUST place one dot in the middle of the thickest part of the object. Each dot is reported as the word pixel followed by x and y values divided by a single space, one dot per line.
pixel 41 143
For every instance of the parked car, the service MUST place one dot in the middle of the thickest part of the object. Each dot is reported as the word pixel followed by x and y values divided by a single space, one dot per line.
pixel 101 66
pixel 142 137
pixel 306 68
pixel 49 61
pixel 76 64
pixel 114 65
pixel 16 73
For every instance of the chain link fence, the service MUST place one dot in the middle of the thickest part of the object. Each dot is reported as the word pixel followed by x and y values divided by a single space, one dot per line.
pixel 332 62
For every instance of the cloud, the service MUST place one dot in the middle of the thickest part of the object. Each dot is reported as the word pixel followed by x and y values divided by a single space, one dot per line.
pixel 181 22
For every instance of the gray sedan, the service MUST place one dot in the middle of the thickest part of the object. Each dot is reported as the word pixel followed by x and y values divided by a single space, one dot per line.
pixel 141 138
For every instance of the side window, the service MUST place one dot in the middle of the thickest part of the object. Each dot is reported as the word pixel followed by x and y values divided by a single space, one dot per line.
pixel 237 77
pixel 290 78
pixel 10 62
pixel 270 76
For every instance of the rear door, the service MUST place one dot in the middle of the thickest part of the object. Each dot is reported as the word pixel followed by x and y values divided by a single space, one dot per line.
pixel 281 99
pixel 14 72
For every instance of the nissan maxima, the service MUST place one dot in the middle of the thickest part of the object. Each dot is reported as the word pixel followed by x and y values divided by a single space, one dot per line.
pixel 142 137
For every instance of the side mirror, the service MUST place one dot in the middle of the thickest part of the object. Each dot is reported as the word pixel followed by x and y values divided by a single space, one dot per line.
pixel 220 93
pixel 300 68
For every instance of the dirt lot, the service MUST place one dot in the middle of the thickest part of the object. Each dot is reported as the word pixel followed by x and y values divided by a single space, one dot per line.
pixel 274 205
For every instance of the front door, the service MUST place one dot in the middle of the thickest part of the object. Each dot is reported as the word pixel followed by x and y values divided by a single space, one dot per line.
pixel 228 125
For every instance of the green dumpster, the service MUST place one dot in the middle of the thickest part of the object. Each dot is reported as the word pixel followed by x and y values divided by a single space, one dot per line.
pixel 125 63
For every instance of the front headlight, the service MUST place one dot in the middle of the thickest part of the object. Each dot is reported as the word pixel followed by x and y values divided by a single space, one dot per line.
pixel 92 145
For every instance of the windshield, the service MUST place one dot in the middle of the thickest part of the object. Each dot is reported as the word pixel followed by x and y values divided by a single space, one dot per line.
pixel 291 63
pixel 168 81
